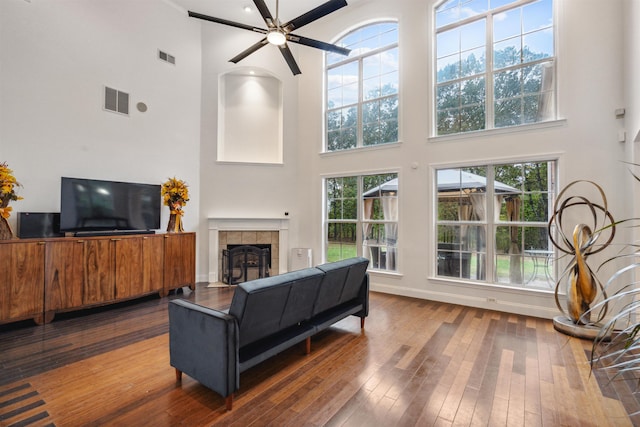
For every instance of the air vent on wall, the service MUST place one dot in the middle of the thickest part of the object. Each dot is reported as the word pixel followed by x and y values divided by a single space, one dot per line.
pixel 164 56
pixel 116 101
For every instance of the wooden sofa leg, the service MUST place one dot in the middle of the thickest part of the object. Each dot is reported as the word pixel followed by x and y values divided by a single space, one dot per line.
pixel 308 345
pixel 228 401
pixel 178 375
pixel 362 323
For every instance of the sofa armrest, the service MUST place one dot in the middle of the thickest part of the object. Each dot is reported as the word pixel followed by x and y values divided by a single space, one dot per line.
pixel 203 343
pixel 363 297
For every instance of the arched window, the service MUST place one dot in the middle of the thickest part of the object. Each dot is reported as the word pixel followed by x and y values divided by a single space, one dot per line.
pixel 494 64
pixel 362 89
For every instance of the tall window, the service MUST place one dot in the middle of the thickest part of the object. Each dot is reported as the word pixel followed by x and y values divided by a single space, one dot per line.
pixel 362 219
pixel 362 89
pixel 492 223
pixel 495 64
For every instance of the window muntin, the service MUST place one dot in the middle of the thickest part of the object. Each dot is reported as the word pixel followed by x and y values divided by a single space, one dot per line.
pixel 495 64
pixel 362 89
pixel 505 241
pixel 362 219
pixel 342 217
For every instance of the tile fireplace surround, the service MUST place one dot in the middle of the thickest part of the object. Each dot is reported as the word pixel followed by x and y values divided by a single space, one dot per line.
pixel 223 231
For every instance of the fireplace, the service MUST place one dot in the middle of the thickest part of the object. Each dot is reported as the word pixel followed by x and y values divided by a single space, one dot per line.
pixel 241 263
pixel 252 232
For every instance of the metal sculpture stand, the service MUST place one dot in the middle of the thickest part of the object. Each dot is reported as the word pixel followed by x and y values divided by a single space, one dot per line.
pixel 582 283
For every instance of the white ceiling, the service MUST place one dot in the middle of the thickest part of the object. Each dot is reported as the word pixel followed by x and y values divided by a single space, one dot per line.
pixel 233 10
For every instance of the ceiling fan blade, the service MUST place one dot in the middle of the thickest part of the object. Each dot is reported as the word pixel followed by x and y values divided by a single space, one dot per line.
pixel 314 14
pixel 318 44
pixel 288 56
pixel 239 57
pixel 225 22
pixel 264 11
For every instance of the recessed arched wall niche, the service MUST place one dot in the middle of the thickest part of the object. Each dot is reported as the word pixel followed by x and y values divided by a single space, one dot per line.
pixel 250 117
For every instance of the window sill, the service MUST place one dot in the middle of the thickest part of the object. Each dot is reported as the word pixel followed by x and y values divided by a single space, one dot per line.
pixel 238 163
pixel 386 273
pixel 502 287
pixel 387 146
pixel 499 131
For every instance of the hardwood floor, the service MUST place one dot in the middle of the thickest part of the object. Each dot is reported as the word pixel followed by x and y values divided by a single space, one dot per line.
pixel 416 363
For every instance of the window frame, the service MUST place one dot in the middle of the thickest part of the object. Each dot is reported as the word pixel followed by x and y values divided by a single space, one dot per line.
pixel 489 73
pixel 361 102
pixel 493 222
pixel 360 221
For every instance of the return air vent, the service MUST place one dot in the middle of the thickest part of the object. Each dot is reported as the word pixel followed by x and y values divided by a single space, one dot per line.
pixel 116 101
pixel 164 56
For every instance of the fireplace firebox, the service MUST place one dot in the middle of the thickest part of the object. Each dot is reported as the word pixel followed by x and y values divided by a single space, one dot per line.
pixel 241 263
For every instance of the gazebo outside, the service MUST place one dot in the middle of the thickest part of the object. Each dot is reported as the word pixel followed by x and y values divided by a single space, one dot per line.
pixel 461 243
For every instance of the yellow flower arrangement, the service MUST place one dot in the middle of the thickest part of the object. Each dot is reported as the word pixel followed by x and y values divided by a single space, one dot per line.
pixel 8 185
pixel 175 194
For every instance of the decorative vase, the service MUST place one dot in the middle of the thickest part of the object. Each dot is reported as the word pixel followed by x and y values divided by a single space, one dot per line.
pixel 5 229
pixel 175 223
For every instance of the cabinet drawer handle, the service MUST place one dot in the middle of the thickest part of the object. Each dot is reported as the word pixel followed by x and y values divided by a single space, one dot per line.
pixel 115 240
pixel 80 241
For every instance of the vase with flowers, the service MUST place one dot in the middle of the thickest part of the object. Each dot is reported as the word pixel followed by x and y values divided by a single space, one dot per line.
pixel 8 194
pixel 175 194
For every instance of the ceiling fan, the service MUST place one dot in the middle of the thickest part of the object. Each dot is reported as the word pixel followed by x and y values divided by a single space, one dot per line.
pixel 279 34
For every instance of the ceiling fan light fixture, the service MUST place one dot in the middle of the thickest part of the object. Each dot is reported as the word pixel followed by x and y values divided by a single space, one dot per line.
pixel 276 37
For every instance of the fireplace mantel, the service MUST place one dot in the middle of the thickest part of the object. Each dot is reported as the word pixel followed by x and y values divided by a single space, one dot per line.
pixel 246 224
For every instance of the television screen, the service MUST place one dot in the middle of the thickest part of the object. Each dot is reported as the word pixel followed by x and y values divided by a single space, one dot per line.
pixel 89 205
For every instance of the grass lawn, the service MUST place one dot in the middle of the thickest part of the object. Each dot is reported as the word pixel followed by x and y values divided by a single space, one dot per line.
pixel 338 251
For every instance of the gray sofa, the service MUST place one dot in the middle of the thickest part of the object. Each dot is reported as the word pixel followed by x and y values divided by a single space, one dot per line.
pixel 266 316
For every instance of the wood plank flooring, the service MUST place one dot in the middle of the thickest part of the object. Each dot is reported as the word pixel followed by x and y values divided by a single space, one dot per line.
pixel 417 363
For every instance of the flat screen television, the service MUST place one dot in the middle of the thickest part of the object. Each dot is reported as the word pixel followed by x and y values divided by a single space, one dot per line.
pixel 89 206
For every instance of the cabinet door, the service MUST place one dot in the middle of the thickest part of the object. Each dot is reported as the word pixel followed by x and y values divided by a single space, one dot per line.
pixel 64 281
pixel 153 263
pixel 128 267
pixel 179 260
pixel 99 284
pixel 22 281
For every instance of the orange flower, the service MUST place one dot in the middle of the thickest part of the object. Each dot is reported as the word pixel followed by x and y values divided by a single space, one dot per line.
pixel 5 212
pixel 8 184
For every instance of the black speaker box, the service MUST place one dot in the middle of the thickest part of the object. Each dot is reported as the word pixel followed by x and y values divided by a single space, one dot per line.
pixel 38 224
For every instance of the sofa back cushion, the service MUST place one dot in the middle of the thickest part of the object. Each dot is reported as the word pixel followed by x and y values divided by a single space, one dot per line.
pixel 342 282
pixel 266 306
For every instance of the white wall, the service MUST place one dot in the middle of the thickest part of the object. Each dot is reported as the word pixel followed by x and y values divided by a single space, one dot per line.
pixel 631 122
pixel 247 190
pixel 250 119
pixel 585 142
pixel 56 57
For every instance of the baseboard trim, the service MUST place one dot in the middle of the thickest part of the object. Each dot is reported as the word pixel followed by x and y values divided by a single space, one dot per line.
pixel 471 301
